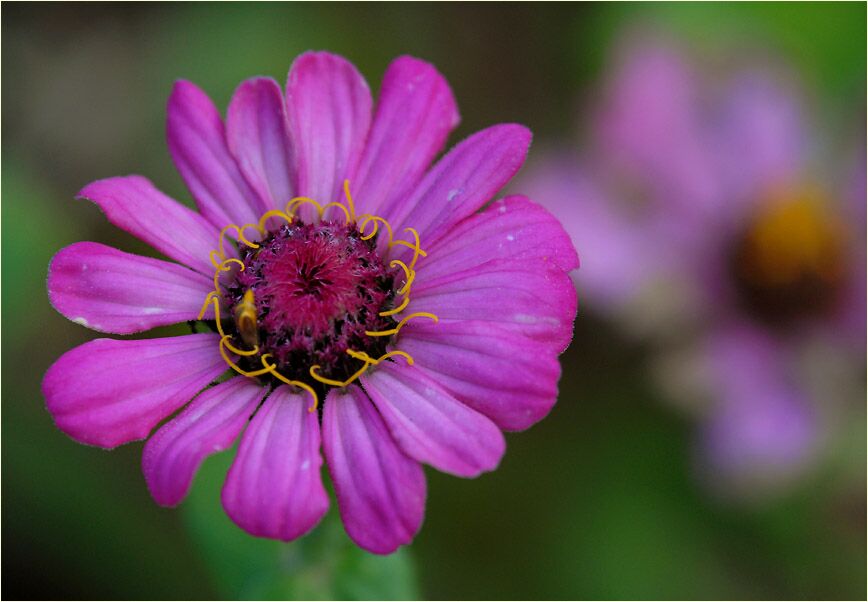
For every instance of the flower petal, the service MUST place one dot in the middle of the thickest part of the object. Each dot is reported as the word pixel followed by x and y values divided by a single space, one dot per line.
pixel 507 264
pixel 762 430
pixel 761 439
pixel 112 291
pixel 109 392
pixel 133 204
pixel 510 378
pixel 416 111
pixel 274 488
pixel 211 423
pixel 462 181
pixel 380 491
pixel 329 107
pixel 651 131
pixel 197 143
pixel 760 138
pixel 529 297
pixel 258 136
pixel 511 228
pixel 430 425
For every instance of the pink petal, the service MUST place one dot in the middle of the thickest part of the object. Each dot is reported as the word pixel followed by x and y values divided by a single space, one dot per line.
pixel 462 181
pixel 430 425
pixel 112 291
pixel 329 107
pixel 759 138
pixel 380 491
pixel 197 143
pixel 211 423
pixel 651 133
pixel 258 135
pixel 511 228
pixel 507 264
pixel 416 111
pixel 510 378
pixel 526 296
pixel 133 204
pixel 274 488
pixel 622 255
pixel 762 429
pixel 109 392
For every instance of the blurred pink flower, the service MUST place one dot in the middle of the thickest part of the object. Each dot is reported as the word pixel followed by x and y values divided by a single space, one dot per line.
pixel 312 306
pixel 701 216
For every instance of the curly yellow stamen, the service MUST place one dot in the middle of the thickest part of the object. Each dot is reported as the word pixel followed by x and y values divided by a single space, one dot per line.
pixel 350 203
pixel 222 239
pixel 409 275
pixel 214 256
pixel 377 221
pixel 295 383
pixel 400 325
pixel 339 206
pixel 415 246
pixel 298 201
pixel 361 355
pixel 212 296
pixel 398 309
pixel 273 213
pixel 224 267
pixel 235 350
pixel 242 238
pixel 239 370
pixel 336 383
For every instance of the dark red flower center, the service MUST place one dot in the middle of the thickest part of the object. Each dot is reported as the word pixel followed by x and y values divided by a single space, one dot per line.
pixel 316 290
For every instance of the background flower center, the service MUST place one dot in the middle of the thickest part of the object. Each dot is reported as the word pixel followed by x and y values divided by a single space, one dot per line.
pixel 789 262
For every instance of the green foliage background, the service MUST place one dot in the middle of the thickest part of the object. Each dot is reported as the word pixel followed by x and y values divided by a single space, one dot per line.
pixel 597 501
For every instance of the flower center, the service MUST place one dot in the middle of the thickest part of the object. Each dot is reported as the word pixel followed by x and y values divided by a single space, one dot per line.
pixel 789 263
pixel 316 289
pixel 311 304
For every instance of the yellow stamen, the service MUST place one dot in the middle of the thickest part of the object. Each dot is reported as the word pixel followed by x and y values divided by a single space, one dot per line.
pixel 336 383
pixel 417 249
pixel 409 275
pixel 215 258
pixel 377 220
pixel 235 367
pixel 361 355
pixel 235 350
pixel 350 203
pixel 295 383
pixel 339 206
pixel 398 309
pixel 298 201
pixel 208 298
pixel 273 213
pixel 245 319
pixel 224 267
pixel 222 239
pixel 242 238
pixel 397 329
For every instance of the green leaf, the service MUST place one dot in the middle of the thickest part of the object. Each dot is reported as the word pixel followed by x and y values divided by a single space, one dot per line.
pixel 323 565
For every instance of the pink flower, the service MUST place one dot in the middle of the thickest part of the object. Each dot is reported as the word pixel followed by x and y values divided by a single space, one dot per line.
pixel 362 282
pixel 707 222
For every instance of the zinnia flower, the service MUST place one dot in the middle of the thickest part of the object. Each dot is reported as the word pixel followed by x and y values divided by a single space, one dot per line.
pixel 713 228
pixel 354 297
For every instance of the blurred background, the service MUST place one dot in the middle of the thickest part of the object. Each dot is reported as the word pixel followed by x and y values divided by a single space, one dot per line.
pixel 652 477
